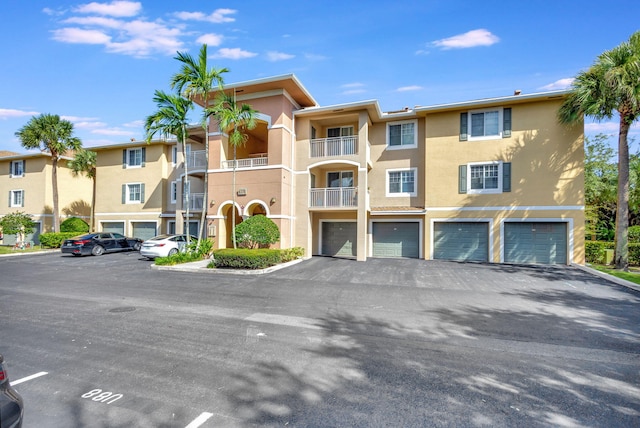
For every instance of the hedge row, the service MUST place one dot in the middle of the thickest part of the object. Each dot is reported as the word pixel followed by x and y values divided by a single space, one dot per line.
pixel 594 252
pixel 55 239
pixel 253 259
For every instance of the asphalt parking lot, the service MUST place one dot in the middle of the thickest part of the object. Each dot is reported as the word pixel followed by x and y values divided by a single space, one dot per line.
pixel 109 342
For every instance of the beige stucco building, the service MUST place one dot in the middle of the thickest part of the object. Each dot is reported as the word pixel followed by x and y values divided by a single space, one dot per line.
pixel 25 180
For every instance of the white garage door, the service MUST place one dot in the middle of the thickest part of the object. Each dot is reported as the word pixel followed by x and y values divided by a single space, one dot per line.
pixel 400 239
pixel 339 239
pixel 535 242
pixel 465 241
pixel 144 229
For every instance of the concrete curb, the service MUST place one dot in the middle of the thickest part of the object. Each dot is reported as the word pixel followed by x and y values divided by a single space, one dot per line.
pixel 609 278
pixel 30 253
pixel 201 266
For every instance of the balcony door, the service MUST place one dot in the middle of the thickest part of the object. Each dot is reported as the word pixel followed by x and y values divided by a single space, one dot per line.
pixel 343 131
pixel 340 179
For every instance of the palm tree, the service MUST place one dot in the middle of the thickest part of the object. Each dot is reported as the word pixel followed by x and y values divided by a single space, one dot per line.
pixel 49 133
pixel 197 80
pixel 171 119
pixel 611 84
pixel 235 121
pixel 84 162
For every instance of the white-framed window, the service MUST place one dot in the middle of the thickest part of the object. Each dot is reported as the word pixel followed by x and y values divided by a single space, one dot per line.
pixel 135 157
pixel 402 182
pixel 174 154
pixel 16 198
pixel 343 131
pixel 133 193
pixel 402 135
pixel 485 124
pixel 173 191
pixel 484 177
pixel 17 168
pixel 340 179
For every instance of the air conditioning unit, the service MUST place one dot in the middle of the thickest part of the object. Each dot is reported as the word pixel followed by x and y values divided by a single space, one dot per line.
pixel 242 192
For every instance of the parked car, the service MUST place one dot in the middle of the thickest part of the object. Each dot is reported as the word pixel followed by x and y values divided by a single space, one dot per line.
pixel 99 243
pixel 164 245
pixel 11 406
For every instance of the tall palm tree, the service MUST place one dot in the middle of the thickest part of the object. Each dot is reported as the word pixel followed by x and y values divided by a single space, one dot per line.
pixel 611 84
pixel 235 121
pixel 197 80
pixel 171 120
pixel 51 134
pixel 84 162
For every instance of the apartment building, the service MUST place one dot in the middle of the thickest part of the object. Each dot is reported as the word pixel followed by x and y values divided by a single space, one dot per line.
pixel 494 180
pixel 25 180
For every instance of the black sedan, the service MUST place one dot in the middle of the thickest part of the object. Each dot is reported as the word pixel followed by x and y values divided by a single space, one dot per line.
pixel 99 243
pixel 11 407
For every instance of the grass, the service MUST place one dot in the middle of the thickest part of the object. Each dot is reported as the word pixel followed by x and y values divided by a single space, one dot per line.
pixel 632 276
pixel 8 249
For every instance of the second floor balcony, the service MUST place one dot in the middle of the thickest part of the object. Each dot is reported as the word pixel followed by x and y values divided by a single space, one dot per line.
pixel 333 146
pixel 197 160
pixel 333 197
pixel 253 161
pixel 196 201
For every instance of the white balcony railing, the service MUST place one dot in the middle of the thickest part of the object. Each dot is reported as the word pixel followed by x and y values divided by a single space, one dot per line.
pixel 196 201
pixel 197 160
pixel 252 162
pixel 331 197
pixel 334 146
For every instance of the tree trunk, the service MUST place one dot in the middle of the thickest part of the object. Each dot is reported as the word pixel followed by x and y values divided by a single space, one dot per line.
pixel 233 208
pixel 186 187
pixel 622 213
pixel 205 195
pixel 54 184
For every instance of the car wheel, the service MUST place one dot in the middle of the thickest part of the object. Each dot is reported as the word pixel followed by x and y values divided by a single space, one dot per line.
pixel 173 251
pixel 97 250
pixel 137 246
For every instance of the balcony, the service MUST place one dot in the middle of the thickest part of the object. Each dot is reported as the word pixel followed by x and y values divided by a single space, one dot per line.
pixel 253 161
pixel 196 201
pixel 197 160
pixel 333 146
pixel 333 197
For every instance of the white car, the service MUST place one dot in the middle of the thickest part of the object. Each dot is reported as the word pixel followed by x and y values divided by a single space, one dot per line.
pixel 164 245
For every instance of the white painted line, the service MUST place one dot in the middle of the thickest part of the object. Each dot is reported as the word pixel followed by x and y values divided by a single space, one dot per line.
pixel 199 420
pixel 24 379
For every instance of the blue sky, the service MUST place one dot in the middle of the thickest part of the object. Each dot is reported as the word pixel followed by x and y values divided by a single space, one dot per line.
pixel 98 63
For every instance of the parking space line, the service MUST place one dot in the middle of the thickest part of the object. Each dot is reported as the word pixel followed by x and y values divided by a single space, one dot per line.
pixel 25 379
pixel 199 420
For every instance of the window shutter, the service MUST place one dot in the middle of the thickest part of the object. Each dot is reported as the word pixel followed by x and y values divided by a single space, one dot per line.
pixel 462 179
pixel 464 134
pixel 24 168
pixel 124 159
pixel 124 193
pixel 22 200
pixel 144 156
pixel 506 123
pixel 506 177
pixel 142 193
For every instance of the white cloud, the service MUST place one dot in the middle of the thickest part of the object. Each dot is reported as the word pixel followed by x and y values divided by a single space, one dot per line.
pixel 79 35
pixel 210 39
pixel 315 57
pixel 217 17
pixel 97 21
pixel 112 131
pixel 558 84
pixel 115 8
pixel 352 85
pixel 409 88
pixel 9 113
pixel 233 53
pixel 274 56
pixel 470 39
pixel 134 124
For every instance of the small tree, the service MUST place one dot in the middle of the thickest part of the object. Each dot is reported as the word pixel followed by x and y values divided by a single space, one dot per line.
pixel 257 232
pixel 17 223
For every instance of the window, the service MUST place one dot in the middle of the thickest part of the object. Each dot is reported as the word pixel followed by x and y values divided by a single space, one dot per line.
pixel 16 198
pixel 344 131
pixel 17 169
pixel 174 154
pixel 401 182
pixel 173 191
pixel 133 193
pixel 402 135
pixel 133 158
pixel 485 124
pixel 340 179
pixel 487 177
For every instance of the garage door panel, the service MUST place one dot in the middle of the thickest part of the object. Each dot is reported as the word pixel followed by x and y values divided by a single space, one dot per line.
pixel 396 239
pixel 144 229
pixel 113 227
pixel 535 242
pixel 339 239
pixel 465 241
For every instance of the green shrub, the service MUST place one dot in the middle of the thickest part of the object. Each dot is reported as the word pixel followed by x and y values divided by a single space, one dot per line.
pixel 261 258
pixel 634 254
pixel 257 231
pixel 55 239
pixel 634 234
pixel 178 258
pixel 74 224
